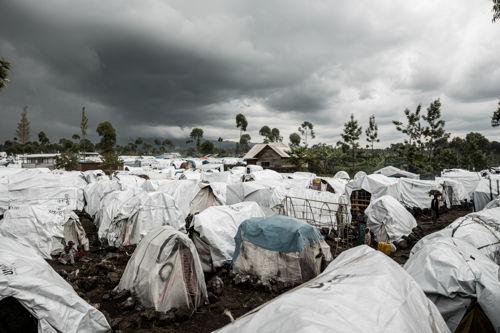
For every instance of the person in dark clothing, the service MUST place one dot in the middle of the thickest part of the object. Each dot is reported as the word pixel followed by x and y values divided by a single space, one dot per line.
pixel 435 208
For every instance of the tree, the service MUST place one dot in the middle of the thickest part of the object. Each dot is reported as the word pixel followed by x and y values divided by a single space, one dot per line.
pixel 299 157
pixel 244 141
pixel 168 144
pixel 23 127
pixel 4 73
pixel 352 132
pixel 86 145
pixel 139 141
pixel 67 161
pixel 241 123
pixel 219 140
pixel 66 145
pixel 495 119
pixel 372 132
pixel 294 139
pixel 275 135
pixel 496 10
pixel 434 133
pixel 207 147
pixel 75 137
pixel 84 124
pixel 108 136
pixel 307 130
pixel 412 128
pixel 265 131
pixel 196 134
pixel 43 138
pixel 157 141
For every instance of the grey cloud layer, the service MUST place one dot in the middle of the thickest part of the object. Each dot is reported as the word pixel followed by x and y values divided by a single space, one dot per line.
pixel 156 67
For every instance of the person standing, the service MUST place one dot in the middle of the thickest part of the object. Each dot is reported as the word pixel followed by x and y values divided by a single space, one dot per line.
pixel 435 208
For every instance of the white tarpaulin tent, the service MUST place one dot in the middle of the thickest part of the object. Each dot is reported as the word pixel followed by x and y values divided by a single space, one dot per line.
pixel 127 180
pixel 469 179
pixel 25 276
pixel 124 217
pixel 479 229
pixel 96 191
pixel 191 196
pixel 43 228
pixel 389 220
pixel 338 185
pixel 279 248
pixel 40 186
pixel 183 192
pixel 362 290
pixel 264 175
pixel 370 183
pixel 342 175
pixel 454 191
pixel 216 227
pixel 165 272
pixel 412 193
pixel 454 274
pixel 391 171
pixel 267 194
pixel 486 190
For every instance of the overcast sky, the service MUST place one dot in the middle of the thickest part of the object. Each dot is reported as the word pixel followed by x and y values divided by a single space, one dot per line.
pixel 157 68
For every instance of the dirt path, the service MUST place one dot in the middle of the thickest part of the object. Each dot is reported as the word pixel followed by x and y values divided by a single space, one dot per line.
pixel 95 280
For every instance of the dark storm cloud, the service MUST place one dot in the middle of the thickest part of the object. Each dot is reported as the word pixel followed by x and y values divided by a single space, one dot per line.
pixel 155 67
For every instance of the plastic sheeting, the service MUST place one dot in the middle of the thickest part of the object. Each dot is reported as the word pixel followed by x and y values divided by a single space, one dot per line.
pixel 370 183
pixel 124 217
pixel 25 276
pixel 218 225
pixel 95 192
pixel 40 186
pixel 454 191
pixel 279 248
pixel 453 274
pixel 480 229
pixel 486 190
pixel 362 290
pixel 165 272
pixel 469 179
pixel 338 185
pixel 43 228
pixel 267 194
pixel 342 175
pixel 264 175
pixel 183 192
pixel 411 193
pixel 389 220
pixel 391 171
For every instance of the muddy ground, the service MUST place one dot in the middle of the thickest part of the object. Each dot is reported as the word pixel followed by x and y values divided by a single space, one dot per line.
pixel 95 280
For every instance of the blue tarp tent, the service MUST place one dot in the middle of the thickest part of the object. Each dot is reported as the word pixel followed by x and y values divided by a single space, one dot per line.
pixel 276 233
pixel 279 248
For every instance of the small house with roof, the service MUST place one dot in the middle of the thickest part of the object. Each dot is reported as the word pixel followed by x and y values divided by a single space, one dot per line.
pixel 269 156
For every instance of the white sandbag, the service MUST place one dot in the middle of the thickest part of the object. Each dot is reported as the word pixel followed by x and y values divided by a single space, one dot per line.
pixel 25 276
